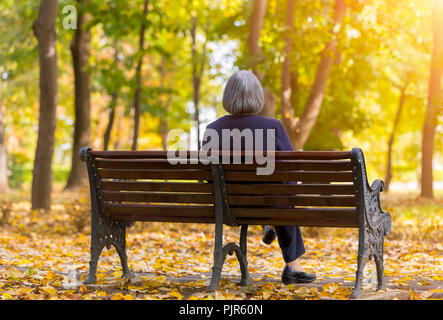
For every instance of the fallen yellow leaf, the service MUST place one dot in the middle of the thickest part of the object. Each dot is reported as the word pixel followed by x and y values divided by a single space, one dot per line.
pixel 160 278
pixel 22 291
pixel 49 290
pixel 6 296
pixel 175 294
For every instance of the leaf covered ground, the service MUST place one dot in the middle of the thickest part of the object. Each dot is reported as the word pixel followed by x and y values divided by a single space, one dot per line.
pixel 45 255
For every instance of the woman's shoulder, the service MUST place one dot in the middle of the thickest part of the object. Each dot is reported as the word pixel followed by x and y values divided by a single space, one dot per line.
pixel 271 121
pixel 252 120
pixel 216 122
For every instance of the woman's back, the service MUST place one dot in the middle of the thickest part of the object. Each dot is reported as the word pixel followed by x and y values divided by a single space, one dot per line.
pixel 233 127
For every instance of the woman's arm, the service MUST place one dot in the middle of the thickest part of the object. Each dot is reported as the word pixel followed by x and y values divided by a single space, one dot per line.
pixel 282 143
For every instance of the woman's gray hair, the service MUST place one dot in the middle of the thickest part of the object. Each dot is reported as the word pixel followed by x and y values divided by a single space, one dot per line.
pixel 243 94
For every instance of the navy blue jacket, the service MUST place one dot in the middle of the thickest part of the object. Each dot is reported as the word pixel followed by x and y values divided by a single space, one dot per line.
pixel 252 121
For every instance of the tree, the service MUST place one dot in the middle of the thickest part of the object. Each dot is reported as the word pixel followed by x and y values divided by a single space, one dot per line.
pixel 112 105
pixel 4 186
pixel 401 103
pixel 138 78
pixel 114 24
pixel 288 79
pixel 255 27
pixel 80 50
pixel 434 102
pixel 44 31
pixel 299 129
pixel 198 66
pixel 164 125
pixel 111 117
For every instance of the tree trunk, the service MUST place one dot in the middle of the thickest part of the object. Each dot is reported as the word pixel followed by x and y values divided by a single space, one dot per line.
pixel 195 79
pixel 434 102
pixel 294 87
pixel 164 131
pixel 164 127
pixel 196 75
pixel 138 79
pixel 80 50
pixel 44 31
pixel 300 129
pixel 4 186
pixel 286 108
pixel 392 137
pixel 111 116
pixel 255 27
pixel 120 115
pixel 112 106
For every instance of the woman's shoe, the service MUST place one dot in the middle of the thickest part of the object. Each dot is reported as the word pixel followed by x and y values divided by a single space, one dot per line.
pixel 290 275
pixel 269 235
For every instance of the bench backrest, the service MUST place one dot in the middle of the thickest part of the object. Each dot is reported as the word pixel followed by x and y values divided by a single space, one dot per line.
pixel 144 185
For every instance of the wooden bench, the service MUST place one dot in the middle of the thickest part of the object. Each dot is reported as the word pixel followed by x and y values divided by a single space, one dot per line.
pixel 144 186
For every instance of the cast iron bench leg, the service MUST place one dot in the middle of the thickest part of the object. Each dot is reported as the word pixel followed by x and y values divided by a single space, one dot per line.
pixel 242 256
pixel 95 254
pixel 104 234
pixel 220 254
pixel 381 283
pixel 116 236
pixel 361 262
pixel 372 250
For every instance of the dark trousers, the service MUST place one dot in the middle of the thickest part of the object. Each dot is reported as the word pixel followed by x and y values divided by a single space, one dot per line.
pixel 289 237
pixel 290 241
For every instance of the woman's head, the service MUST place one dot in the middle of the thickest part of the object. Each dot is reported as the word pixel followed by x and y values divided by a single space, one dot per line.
pixel 243 94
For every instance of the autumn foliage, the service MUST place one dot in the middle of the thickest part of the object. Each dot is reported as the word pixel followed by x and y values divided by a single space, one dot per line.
pixel 45 255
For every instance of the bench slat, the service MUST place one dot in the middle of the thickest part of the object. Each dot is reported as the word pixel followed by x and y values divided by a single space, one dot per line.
pixel 324 201
pixel 303 216
pixel 119 210
pixel 305 176
pixel 158 197
pixel 321 201
pixel 243 221
pixel 159 218
pixel 288 165
pixel 324 189
pixel 311 165
pixel 157 186
pixel 155 174
pixel 147 164
pixel 301 222
pixel 307 155
pixel 246 212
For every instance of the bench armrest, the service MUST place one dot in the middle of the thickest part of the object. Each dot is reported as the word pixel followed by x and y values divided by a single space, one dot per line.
pixel 377 186
pixel 375 217
pixel 84 152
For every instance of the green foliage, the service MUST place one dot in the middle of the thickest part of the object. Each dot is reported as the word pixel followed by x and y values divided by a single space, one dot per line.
pixel 383 45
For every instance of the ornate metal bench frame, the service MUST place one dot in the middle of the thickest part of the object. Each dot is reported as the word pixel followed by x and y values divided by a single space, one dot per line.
pixel 374 223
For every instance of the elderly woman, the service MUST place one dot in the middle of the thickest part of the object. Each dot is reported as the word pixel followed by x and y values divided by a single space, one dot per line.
pixel 243 99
